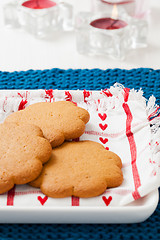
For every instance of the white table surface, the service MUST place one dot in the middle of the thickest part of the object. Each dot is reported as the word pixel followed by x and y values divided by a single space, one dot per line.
pixel 21 51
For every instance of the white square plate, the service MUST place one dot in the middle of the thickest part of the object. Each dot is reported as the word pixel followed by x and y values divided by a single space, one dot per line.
pixel 136 212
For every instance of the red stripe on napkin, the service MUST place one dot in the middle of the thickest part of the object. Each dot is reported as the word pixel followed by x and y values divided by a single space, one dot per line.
pixel 75 200
pixel 133 149
pixel 107 93
pixel 126 94
pixel 10 197
pixel 68 96
pixel 22 104
pixel 86 94
pixel 49 95
pixel 112 135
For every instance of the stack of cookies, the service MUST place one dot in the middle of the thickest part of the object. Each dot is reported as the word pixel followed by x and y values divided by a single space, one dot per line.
pixel 37 148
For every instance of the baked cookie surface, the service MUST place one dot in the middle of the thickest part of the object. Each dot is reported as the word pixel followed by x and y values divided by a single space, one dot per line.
pixel 59 121
pixel 23 150
pixel 82 169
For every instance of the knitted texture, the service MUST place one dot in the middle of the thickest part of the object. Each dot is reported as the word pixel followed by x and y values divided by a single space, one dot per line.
pixel 95 79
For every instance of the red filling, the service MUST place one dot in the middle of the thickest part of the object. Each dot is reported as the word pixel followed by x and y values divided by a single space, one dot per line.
pixel 38 4
pixel 117 2
pixel 108 23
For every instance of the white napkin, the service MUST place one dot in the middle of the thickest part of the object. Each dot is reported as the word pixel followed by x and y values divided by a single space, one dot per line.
pixel 120 119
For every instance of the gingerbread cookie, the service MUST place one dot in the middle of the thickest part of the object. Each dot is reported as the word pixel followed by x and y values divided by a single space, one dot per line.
pixel 59 121
pixel 23 150
pixel 82 169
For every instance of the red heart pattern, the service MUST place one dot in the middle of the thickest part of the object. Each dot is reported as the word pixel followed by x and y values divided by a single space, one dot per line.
pixel 103 127
pixel 102 117
pixel 42 200
pixel 103 140
pixel 107 201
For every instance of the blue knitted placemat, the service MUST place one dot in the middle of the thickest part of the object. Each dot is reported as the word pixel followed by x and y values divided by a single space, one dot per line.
pixel 95 79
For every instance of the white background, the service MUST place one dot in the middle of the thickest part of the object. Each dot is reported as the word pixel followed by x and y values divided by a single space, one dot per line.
pixel 21 51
